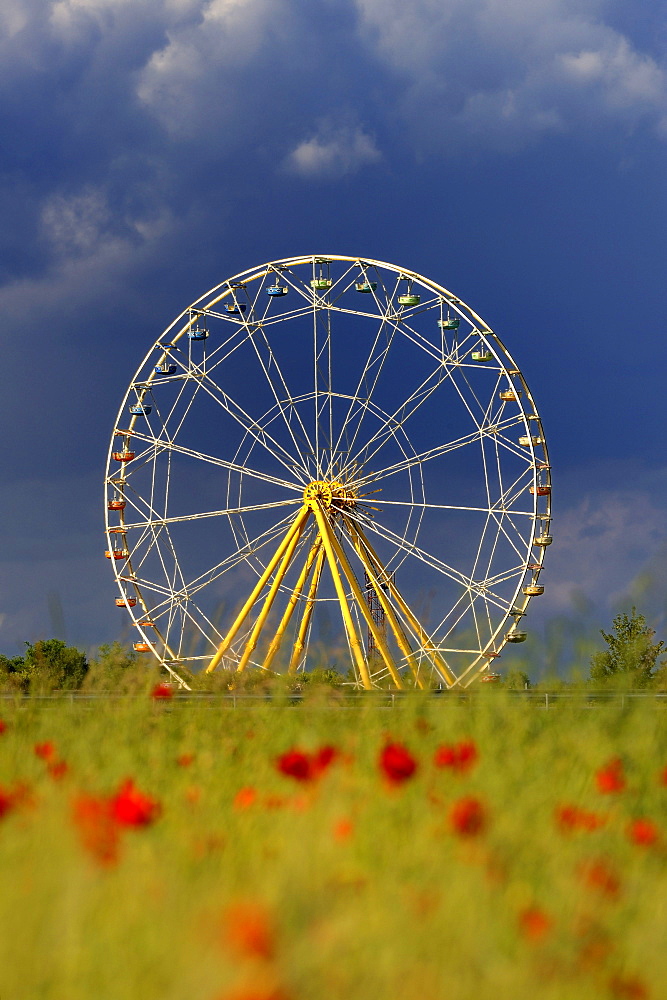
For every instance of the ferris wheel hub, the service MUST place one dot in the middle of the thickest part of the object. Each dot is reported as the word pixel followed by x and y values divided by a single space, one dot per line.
pixel 328 493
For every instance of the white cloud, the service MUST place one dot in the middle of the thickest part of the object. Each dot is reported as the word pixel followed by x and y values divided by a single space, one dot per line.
pixel 333 152
pixel 603 543
pixel 75 224
pixel 190 81
pixel 502 71
pixel 13 18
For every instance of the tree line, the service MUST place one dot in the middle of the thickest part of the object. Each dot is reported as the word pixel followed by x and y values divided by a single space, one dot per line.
pixel 631 661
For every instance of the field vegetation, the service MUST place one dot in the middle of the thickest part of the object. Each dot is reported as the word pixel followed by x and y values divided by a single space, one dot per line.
pixel 312 842
pixel 160 847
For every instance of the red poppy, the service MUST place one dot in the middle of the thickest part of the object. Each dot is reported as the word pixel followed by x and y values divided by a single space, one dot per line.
pixel 600 877
pixel 323 759
pixel 162 691
pixel 571 818
pixel 296 764
pixel 185 759
pixel 468 817
pixel 534 923
pixel 343 829
pixel 249 931
pixel 97 829
pixel 130 807
pixel 7 802
pixel 397 763
pixel 663 776
pixel 45 751
pixel 627 988
pixel 643 832
pixel 3 726
pixel 610 778
pixel 58 769
pixel 244 798
pixel 459 757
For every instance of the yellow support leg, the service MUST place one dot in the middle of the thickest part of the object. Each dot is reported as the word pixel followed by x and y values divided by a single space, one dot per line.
pixel 300 640
pixel 296 526
pixel 291 604
pixel 395 625
pixel 268 601
pixel 414 624
pixel 326 530
pixel 353 638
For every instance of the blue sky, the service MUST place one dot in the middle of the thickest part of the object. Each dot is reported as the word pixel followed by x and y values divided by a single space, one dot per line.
pixel 513 151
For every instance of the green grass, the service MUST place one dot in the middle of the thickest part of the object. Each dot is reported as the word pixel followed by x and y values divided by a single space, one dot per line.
pixel 401 907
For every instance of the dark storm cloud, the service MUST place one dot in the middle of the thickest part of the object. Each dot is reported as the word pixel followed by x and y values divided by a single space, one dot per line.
pixel 151 147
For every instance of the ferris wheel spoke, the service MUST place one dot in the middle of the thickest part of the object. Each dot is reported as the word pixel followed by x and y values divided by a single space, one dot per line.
pixel 426 456
pixel 293 411
pixel 205 383
pixel 475 586
pixel 242 554
pixel 255 430
pixel 187 609
pixel 249 508
pixel 397 420
pixel 417 504
pixel 401 544
pixel 364 402
pixel 169 446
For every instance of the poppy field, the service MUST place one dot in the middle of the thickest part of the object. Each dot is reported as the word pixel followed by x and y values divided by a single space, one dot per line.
pixel 163 848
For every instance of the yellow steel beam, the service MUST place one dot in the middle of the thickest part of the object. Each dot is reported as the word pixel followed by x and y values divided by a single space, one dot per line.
pixel 300 640
pixel 353 638
pixel 414 624
pixel 395 625
pixel 269 599
pixel 291 604
pixel 380 640
pixel 296 526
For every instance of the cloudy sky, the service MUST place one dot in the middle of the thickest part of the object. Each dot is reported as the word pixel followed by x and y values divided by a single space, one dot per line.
pixel 512 150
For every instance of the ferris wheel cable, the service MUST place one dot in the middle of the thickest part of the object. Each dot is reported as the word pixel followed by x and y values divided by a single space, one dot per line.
pixel 365 402
pixel 218 570
pixel 196 385
pixel 241 555
pixel 252 427
pixel 438 506
pixel 383 436
pixel 475 586
pixel 383 532
pixel 434 350
pixel 211 513
pixel 274 360
pixel 186 610
pixel 237 412
pixel 169 446
pixel 370 360
pixel 424 392
pixel 426 456
pixel 501 520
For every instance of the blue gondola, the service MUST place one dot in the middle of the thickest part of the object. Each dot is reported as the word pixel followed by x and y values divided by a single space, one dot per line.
pixel 234 308
pixel 140 410
pixel 197 334
pixel 366 286
pixel 449 324
pixel 165 369
pixel 276 290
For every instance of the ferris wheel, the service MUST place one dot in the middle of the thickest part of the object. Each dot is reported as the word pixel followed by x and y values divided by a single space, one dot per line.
pixel 328 461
